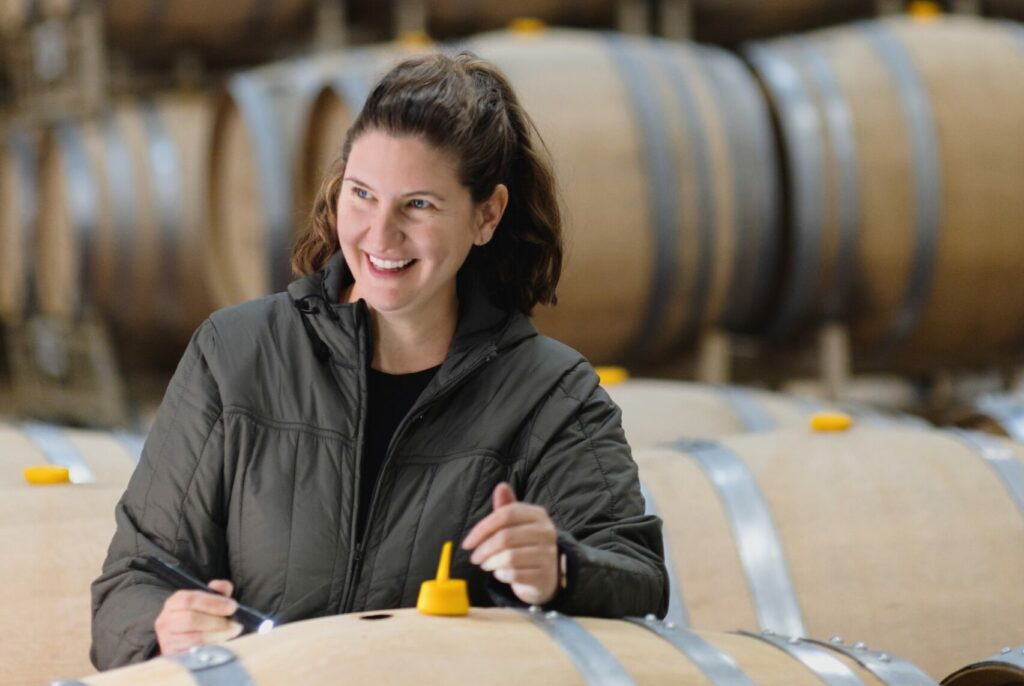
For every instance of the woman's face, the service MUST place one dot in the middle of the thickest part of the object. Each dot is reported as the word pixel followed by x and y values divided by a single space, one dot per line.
pixel 406 223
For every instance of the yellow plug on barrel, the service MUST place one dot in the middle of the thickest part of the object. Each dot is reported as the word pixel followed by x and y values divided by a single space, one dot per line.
pixel 444 596
pixel 46 474
pixel 825 422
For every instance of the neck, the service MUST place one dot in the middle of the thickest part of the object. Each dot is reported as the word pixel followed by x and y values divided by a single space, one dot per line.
pixel 411 342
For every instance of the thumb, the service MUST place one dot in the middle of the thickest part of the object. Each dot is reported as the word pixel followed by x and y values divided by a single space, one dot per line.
pixel 503 495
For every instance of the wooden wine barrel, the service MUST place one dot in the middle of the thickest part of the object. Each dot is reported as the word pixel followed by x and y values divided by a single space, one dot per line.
pixel 122 218
pixel 666 167
pixel 1004 669
pixel 18 208
pixel 908 539
pixel 505 646
pixel 903 185
pixel 55 538
pixel 656 412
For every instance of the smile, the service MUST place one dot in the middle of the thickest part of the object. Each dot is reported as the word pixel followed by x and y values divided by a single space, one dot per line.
pixel 391 266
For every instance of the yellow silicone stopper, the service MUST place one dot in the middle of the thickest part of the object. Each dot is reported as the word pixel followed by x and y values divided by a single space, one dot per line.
pixel 444 596
pixel 831 421
pixel 924 10
pixel 610 376
pixel 526 25
pixel 38 475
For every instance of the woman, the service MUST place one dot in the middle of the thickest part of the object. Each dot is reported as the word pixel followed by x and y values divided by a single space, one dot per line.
pixel 317 447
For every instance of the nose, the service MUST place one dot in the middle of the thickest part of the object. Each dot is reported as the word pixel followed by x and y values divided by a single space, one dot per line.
pixel 384 230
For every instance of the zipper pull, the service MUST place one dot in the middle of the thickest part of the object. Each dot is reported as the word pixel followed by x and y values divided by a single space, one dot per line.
pixel 358 555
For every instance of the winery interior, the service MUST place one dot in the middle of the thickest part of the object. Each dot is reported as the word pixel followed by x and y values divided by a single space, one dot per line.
pixel 794 237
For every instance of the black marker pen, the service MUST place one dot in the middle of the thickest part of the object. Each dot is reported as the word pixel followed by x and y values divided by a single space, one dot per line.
pixel 250 619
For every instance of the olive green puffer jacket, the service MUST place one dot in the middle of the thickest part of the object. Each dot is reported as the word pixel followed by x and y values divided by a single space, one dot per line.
pixel 251 470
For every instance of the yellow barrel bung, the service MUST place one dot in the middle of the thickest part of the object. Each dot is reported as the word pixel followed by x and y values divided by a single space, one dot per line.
pixel 924 10
pixel 526 26
pixel 823 422
pixel 610 376
pixel 46 474
pixel 414 40
pixel 444 596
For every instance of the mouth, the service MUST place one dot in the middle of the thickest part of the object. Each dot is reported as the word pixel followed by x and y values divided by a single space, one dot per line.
pixel 388 267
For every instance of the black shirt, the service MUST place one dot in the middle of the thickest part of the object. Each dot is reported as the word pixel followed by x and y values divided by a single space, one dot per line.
pixel 391 396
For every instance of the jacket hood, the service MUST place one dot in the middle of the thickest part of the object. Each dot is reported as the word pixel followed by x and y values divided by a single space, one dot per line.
pixel 481 324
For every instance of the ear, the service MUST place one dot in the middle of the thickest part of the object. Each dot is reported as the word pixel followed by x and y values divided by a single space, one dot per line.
pixel 489 213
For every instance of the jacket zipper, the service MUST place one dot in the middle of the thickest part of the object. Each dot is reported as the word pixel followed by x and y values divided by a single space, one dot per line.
pixel 416 412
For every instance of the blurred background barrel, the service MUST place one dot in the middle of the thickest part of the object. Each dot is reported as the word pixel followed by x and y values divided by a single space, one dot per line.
pixel 902 191
pixel 898 537
pixel 122 219
pixel 656 412
pixel 672 219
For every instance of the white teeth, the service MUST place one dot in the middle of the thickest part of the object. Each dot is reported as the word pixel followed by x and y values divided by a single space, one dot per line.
pixel 389 264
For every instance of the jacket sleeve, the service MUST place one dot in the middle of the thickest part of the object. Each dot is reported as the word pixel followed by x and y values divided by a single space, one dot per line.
pixel 582 472
pixel 173 508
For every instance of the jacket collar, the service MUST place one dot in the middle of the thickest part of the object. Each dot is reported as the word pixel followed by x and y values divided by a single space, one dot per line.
pixel 482 328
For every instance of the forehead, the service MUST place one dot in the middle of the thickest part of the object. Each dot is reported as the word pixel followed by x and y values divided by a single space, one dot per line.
pixel 383 160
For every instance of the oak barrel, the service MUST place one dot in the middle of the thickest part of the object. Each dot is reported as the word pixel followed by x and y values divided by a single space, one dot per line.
pixel 55 538
pixel 666 167
pixel 122 219
pixel 502 646
pixel 903 185
pixel 903 538
pixel 658 411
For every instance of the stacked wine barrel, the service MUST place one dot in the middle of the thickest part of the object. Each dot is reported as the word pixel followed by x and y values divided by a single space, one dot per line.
pixel 121 220
pixel 55 538
pixel 903 185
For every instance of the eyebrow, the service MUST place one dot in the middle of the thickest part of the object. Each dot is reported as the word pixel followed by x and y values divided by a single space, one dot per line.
pixel 368 187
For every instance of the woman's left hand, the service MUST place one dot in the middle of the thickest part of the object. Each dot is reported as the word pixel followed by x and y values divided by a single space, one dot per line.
pixel 519 545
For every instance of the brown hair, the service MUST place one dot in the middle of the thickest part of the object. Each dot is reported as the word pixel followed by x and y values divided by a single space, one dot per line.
pixel 463 105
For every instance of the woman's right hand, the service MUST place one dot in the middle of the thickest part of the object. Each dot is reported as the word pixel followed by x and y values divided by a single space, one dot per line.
pixel 191 618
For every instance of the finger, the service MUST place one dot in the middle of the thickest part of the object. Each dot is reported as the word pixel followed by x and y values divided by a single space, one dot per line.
pixel 531 534
pixel 510 515
pixel 223 586
pixel 201 601
pixel 188 621
pixel 502 496
pixel 516 558
pixel 233 630
pixel 534 578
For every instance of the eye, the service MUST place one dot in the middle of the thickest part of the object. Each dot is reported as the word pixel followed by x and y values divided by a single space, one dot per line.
pixel 420 204
pixel 361 193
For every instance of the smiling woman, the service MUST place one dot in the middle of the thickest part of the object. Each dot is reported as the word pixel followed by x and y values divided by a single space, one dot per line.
pixel 396 397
